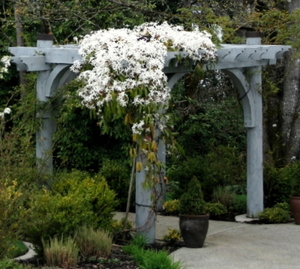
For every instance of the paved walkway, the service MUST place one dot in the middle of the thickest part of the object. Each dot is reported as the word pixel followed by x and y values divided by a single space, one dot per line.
pixel 231 245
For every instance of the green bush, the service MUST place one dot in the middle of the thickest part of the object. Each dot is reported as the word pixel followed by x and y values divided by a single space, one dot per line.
pixel 221 166
pixel 12 203
pixel 291 173
pixel 75 200
pixel 191 202
pixel 117 230
pixel 172 207
pixel 276 214
pixel 182 173
pixel 148 259
pixel 238 205
pixel 79 142
pixel 223 195
pixel 172 237
pixel 215 209
pixel 117 174
pixel 7 263
pixel 225 166
pixel 277 185
pixel 285 206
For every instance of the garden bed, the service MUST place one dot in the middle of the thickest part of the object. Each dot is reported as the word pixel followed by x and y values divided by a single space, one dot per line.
pixel 118 259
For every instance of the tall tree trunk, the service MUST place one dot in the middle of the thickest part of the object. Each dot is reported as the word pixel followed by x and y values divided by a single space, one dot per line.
pixel 19 37
pixel 291 102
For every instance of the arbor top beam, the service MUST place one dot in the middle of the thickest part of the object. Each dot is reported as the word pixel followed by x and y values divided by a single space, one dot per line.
pixel 228 56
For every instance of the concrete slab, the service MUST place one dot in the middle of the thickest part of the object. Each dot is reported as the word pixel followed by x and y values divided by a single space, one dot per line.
pixel 231 245
pixel 247 246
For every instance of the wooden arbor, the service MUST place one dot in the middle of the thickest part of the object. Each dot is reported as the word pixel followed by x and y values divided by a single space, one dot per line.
pixel 52 64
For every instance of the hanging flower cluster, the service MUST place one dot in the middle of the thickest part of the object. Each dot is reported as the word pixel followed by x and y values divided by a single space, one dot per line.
pixel 7 111
pixel 5 60
pixel 126 66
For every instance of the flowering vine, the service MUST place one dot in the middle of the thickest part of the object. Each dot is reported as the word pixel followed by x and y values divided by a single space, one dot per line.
pixel 123 79
pixel 5 60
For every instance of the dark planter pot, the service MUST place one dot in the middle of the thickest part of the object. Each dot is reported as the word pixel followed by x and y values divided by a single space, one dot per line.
pixel 193 229
pixel 295 207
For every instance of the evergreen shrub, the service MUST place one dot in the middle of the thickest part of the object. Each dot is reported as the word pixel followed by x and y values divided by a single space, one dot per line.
pixel 276 214
pixel 238 205
pixel 12 211
pixel 182 173
pixel 76 199
pixel 173 236
pixel 277 184
pixel 191 202
pixel 215 209
pixel 171 207
pixel 117 175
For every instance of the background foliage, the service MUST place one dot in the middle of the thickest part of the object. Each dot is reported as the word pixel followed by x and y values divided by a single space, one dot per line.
pixel 206 111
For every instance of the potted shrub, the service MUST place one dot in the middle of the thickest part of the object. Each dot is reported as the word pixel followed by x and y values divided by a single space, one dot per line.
pixel 193 220
pixel 294 173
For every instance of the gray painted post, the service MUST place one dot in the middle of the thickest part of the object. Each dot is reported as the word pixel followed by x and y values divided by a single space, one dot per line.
pixel 255 194
pixel 145 215
pixel 161 187
pixel 47 126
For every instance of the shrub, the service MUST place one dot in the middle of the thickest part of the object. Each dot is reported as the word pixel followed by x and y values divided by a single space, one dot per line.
pixel 215 209
pixel 171 207
pixel 173 236
pixel 223 195
pixel 61 252
pixel 277 185
pixel 76 199
pixel 149 259
pixel 224 165
pixel 158 260
pixel 182 173
pixel 7 263
pixel 191 202
pixel 12 200
pixel 117 175
pixel 291 173
pixel 117 230
pixel 238 205
pixel 285 206
pixel 275 214
pixel 93 243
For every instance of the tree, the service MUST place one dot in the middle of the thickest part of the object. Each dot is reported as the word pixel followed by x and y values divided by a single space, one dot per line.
pixel 291 101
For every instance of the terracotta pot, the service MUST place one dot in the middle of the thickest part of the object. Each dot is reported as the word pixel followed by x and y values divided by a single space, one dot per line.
pixel 295 207
pixel 193 229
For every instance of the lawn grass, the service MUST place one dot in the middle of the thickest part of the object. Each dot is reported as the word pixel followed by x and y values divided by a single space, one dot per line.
pixel 16 248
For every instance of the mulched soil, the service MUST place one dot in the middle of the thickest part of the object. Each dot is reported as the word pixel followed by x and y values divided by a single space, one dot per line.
pixel 118 259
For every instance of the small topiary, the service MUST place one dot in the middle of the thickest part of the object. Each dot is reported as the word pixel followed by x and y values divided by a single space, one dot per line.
pixel 191 202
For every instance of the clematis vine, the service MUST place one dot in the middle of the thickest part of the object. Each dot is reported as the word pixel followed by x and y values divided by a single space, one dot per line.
pixel 123 78
pixel 5 62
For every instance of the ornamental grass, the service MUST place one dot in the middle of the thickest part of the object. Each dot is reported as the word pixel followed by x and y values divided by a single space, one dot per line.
pixel 61 252
pixel 93 243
